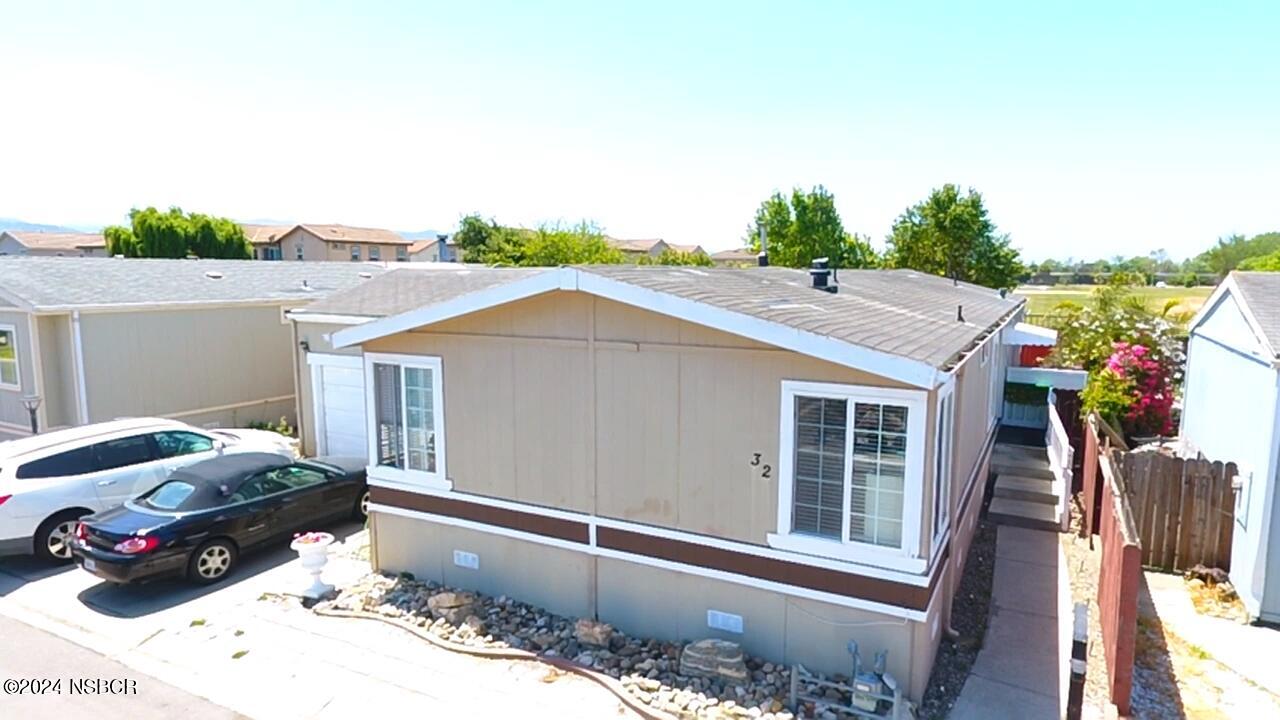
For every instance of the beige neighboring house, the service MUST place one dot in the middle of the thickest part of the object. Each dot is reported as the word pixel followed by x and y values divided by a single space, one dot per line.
pixel 738 257
pixel 681 452
pixel 653 247
pixel 440 249
pixel 341 242
pixel 204 341
pixel 265 240
pixel 53 244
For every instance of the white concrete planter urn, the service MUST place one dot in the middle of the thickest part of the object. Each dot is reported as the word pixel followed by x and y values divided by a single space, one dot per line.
pixel 313 550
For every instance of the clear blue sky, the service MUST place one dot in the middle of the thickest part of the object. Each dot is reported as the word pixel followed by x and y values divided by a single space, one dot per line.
pixel 1091 129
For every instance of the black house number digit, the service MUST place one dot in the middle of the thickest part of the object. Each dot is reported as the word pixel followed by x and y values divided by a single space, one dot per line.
pixel 765 469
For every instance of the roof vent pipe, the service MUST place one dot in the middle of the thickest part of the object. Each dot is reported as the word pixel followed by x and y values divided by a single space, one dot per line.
pixel 821 274
pixel 762 259
pixel 959 313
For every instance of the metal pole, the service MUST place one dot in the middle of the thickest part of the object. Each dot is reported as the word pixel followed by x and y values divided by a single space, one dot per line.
pixel 35 424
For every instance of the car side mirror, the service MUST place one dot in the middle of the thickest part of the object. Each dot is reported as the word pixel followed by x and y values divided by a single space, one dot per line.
pixel 219 445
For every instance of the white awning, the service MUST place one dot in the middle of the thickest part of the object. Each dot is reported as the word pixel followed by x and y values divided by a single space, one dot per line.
pixel 1028 334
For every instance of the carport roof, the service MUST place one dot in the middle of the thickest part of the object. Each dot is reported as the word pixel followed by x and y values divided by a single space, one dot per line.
pixel 46 284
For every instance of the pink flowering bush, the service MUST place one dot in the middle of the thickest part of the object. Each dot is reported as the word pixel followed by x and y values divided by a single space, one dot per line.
pixel 1135 389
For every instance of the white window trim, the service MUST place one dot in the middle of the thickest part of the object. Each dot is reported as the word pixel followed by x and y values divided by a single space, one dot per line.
pixel 437 480
pixel 906 557
pixel 17 359
pixel 946 392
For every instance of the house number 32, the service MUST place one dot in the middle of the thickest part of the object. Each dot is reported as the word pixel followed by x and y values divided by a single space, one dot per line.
pixel 765 468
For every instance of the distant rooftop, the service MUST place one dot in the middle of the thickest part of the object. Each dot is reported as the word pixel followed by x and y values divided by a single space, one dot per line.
pixel 67 241
pixel 67 283
pixel 346 233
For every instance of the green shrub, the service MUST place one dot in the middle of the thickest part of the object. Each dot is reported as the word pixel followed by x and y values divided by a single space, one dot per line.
pixel 281 426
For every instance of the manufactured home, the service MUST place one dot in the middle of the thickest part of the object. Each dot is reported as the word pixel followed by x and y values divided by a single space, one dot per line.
pixel 781 458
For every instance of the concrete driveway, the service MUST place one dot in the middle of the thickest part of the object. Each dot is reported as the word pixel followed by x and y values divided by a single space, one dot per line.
pixel 245 645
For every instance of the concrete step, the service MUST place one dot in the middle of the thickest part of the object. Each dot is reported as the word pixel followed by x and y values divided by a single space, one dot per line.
pixel 1011 450
pixel 1029 489
pixel 1038 516
pixel 1024 467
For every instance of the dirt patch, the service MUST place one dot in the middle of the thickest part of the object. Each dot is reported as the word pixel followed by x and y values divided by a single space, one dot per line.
pixel 970 611
pixel 1084 561
pixel 1217 600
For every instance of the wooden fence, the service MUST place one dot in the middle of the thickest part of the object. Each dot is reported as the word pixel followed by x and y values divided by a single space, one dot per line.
pixel 1118 581
pixel 1099 439
pixel 1184 509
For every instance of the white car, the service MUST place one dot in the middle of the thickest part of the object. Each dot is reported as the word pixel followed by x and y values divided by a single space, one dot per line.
pixel 48 481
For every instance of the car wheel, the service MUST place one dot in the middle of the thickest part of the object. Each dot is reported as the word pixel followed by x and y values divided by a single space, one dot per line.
pixel 54 536
pixel 212 561
pixel 361 510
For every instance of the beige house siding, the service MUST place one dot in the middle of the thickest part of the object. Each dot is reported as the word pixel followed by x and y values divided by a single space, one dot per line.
pixel 655 602
pixel 662 420
pixel 314 248
pixel 224 366
pixel 13 416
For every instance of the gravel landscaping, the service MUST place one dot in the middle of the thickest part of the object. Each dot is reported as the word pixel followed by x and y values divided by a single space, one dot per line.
pixel 1084 562
pixel 703 679
pixel 969 614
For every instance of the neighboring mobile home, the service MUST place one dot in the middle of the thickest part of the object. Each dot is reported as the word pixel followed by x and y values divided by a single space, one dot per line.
pixel 52 244
pixel 204 341
pixel 682 452
pixel 1231 413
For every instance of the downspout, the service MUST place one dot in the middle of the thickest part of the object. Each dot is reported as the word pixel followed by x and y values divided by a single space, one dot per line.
pixel 77 359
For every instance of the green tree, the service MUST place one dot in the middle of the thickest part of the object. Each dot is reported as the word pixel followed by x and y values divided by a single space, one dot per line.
pixel 174 234
pixel 1230 252
pixel 121 241
pixel 1264 263
pixel 807 226
pixel 950 234
pixel 581 244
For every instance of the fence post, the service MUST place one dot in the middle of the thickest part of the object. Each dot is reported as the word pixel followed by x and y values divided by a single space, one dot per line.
pixel 1079 661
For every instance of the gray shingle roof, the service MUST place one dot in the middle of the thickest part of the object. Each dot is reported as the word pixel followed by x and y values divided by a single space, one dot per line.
pixel 1261 292
pixel 900 312
pixel 55 283
pixel 410 288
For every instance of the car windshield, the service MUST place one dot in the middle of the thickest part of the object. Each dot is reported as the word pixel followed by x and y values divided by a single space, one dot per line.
pixel 169 496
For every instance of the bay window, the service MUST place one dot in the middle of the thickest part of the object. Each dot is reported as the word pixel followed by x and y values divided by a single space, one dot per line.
pixel 850 471
pixel 406 438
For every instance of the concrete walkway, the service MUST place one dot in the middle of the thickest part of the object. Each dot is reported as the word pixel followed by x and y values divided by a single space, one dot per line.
pixel 1021 670
pixel 1249 650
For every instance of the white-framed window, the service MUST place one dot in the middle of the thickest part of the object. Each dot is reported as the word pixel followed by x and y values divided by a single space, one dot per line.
pixel 375 253
pixel 405 407
pixel 355 253
pixel 297 250
pixel 402 253
pixel 943 452
pixel 851 461
pixel 10 378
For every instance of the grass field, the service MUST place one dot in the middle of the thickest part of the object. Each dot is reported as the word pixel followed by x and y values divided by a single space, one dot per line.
pixel 1042 299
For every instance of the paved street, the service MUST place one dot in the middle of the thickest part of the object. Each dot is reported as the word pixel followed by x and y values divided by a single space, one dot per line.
pixel 35 654
pixel 245 646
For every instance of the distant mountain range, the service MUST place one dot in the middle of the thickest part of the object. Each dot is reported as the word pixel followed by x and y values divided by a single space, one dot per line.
pixel 23 226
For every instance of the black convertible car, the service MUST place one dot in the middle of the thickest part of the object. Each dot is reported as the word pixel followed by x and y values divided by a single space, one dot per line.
pixel 205 515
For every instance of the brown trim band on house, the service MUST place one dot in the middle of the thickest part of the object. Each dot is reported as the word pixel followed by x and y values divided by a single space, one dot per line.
pixel 836 582
pixel 558 528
